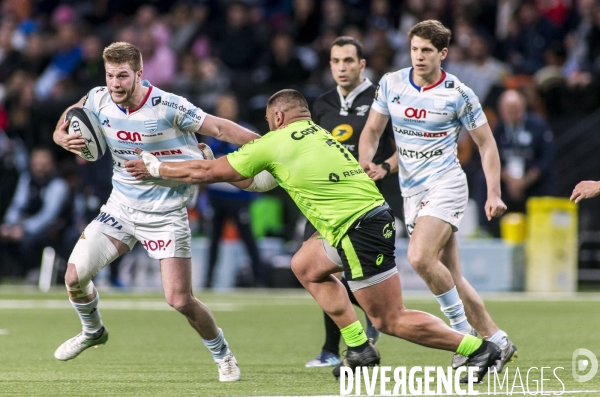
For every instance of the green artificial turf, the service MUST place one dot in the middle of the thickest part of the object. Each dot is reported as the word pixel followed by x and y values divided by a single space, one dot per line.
pixel 152 351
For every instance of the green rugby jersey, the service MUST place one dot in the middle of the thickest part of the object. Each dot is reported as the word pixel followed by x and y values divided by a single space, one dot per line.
pixel 321 176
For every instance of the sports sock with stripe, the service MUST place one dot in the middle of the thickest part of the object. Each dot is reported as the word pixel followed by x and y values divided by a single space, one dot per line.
pixel 89 314
pixel 453 309
pixel 218 346
pixel 499 338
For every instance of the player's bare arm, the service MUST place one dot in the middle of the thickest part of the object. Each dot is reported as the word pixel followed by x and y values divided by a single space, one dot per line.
pixel 190 171
pixel 585 190
pixel 490 160
pixel 369 139
pixel 378 171
pixel 225 130
pixel 72 143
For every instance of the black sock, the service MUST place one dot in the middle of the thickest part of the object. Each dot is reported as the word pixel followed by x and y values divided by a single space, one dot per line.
pixel 332 335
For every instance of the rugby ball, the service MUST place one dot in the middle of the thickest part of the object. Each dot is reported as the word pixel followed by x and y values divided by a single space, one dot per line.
pixel 84 122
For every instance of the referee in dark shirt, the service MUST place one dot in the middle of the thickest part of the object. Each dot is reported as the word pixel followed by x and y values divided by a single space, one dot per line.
pixel 343 111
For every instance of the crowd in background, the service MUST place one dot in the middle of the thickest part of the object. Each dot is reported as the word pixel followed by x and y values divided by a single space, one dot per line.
pixel 51 55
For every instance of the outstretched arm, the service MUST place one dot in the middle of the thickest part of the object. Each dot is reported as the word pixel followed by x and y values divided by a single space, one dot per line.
pixel 490 160
pixel 190 171
pixel 584 190
pixel 225 130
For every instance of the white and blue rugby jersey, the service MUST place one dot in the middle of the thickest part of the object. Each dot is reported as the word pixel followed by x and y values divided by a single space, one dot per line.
pixel 165 125
pixel 426 123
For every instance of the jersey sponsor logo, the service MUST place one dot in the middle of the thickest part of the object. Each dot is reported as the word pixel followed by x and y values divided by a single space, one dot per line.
pixel 156 245
pixel 342 132
pixel 468 108
pixel 423 204
pixel 379 259
pixel 298 135
pixel 151 125
pixel 106 122
pixel 377 91
pixel 109 220
pixel 415 154
pixel 188 112
pixel 413 113
pixel 396 100
pixel 171 152
pixel 357 171
pixel 129 136
pixel 388 229
pixel 333 177
pixel 421 134
pixel 362 110
pixel 156 100
pixel 100 89
pixel 449 84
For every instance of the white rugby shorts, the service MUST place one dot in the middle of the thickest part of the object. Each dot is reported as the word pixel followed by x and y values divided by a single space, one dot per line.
pixel 446 200
pixel 163 235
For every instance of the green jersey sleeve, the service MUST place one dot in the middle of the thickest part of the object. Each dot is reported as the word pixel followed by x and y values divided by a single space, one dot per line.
pixel 254 157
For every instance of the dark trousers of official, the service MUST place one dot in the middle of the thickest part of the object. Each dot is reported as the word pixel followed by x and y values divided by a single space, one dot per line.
pixel 238 210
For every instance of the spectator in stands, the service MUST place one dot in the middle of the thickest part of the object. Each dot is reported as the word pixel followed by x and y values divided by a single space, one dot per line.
pixel 286 69
pixel 39 211
pixel 525 144
pixel 229 202
pixel 159 60
pixel 480 71
pixel 90 72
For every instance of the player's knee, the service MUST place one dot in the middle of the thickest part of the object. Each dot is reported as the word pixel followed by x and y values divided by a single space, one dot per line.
pixel 418 260
pixel 92 252
pixel 300 266
pixel 183 303
pixel 71 279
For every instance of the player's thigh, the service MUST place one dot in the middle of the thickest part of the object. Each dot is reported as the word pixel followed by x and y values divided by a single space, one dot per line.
pixel 315 260
pixel 429 236
pixel 382 301
pixel 164 235
pixel 176 274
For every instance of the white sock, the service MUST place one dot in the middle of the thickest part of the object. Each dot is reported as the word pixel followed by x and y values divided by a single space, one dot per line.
pixel 218 347
pixel 500 338
pixel 453 309
pixel 89 314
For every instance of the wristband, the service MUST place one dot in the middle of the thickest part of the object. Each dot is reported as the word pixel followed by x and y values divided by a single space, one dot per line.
pixel 152 163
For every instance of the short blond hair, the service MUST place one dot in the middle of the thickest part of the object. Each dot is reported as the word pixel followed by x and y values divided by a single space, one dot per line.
pixel 121 52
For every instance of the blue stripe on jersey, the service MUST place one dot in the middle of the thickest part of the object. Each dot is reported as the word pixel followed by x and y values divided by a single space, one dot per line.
pixel 170 143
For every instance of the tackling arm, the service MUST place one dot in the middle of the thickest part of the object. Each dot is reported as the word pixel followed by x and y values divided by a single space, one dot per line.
pixel 225 130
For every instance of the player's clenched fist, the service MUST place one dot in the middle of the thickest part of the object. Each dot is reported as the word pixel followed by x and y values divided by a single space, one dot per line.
pixel 584 190
pixel 494 207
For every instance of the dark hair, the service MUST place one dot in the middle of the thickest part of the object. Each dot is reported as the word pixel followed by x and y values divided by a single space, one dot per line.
pixel 345 40
pixel 289 97
pixel 434 31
